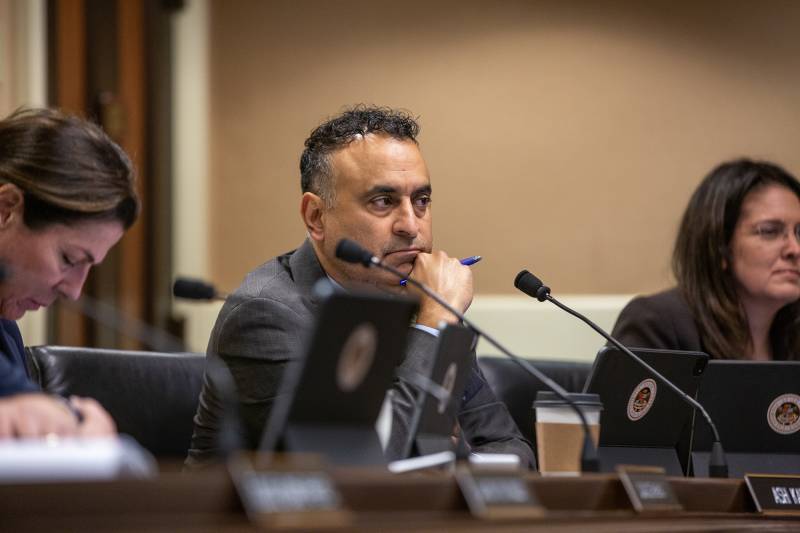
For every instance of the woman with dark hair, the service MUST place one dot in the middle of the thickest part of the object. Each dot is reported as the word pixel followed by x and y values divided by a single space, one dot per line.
pixel 737 264
pixel 67 194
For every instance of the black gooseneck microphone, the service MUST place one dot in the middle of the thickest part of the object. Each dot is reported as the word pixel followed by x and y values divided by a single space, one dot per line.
pixel 352 252
pixel 533 286
pixel 195 289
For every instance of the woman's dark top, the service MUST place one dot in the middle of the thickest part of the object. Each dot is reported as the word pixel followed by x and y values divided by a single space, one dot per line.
pixel 13 371
pixel 664 321
pixel 661 321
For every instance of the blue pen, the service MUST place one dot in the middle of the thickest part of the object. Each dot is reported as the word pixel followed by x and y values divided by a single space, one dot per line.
pixel 467 261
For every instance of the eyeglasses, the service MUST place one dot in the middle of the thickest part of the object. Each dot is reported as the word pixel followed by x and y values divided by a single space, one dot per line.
pixel 772 231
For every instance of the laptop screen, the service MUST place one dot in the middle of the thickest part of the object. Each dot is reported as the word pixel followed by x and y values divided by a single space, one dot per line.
pixel 330 398
pixel 755 405
pixel 638 410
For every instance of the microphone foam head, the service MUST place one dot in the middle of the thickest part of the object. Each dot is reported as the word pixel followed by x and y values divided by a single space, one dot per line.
pixel 531 285
pixel 352 252
pixel 193 289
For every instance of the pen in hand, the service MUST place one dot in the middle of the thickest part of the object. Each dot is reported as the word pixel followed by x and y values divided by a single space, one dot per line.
pixel 467 261
pixel 471 260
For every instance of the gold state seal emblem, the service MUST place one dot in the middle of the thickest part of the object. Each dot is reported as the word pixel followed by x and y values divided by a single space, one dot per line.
pixel 642 399
pixel 783 414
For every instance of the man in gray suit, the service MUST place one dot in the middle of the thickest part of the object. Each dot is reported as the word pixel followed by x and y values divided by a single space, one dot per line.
pixel 363 177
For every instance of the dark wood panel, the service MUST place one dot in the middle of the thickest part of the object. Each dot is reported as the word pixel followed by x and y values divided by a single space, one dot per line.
pixel 69 27
pixel 132 90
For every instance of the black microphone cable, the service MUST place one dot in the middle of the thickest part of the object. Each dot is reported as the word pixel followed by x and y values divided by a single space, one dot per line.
pixel 534 287
pixel 351 252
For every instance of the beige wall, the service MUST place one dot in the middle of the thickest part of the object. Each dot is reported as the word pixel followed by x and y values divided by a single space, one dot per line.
pixel 563 137
pixel 23 82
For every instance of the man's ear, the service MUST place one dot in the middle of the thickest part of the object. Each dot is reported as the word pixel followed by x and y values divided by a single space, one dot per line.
pixel 12 204
pixel 311 210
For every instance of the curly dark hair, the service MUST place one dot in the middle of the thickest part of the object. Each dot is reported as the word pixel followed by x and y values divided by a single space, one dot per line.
pixel 315 172
pixel 702 249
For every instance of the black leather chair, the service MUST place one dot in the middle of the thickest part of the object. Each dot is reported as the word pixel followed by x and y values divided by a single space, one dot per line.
pixel 517 389
pixel 152 396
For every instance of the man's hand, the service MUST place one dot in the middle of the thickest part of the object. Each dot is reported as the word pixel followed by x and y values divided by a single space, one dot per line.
pixel 35 415
pixel 448 278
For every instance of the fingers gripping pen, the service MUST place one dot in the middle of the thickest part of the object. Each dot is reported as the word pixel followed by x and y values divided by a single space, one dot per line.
pixel 467 261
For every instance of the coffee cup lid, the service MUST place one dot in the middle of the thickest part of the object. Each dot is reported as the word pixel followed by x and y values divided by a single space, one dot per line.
pixel 549 399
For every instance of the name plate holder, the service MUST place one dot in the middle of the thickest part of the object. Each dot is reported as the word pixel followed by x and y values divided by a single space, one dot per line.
pixel 288 493
pixel 648 489
pixel 497 494
pixel 776 495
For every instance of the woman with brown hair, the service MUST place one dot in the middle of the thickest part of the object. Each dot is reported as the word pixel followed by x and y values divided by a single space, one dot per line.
pixel 737 264
pixel 67 195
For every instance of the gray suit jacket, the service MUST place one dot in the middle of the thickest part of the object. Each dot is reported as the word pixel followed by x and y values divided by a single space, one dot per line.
pixel 262 327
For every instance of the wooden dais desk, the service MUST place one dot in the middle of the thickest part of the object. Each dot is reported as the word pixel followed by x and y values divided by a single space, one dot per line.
pixel 208 501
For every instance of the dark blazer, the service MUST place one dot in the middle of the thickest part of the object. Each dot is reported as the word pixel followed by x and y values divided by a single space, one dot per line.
pixel 661 321
pixel 265 322
pixel 664 321
pixel 13 372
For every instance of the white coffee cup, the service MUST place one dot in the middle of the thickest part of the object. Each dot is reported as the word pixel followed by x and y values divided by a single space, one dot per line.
pixel 559 433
